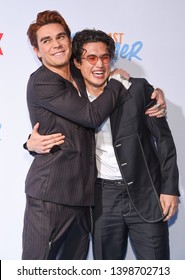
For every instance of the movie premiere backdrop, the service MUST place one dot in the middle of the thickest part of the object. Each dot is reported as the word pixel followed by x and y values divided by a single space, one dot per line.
pixel 150 43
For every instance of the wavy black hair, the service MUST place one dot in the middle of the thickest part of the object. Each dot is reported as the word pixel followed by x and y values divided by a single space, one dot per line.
pixel 88 36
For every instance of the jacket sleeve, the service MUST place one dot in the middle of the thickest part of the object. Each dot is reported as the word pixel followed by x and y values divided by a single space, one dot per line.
pixel 165 150
pixel 58 96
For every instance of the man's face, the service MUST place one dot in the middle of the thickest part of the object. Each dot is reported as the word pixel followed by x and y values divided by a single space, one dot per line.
pixel 95 76
pixel 54 47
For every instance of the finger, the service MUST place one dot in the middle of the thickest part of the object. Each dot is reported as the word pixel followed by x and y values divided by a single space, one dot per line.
pixel 163 106
pixel 36 127
pixel 153 109
pixel 158 105
pixel 44 151
pixel 125 75
pixel 157 94
pixel 59 142
pixel 172 210
pixel 160 98
pixel 165 210
pixel 166 218
pixel 52 137
pixel 50 145
pixel 158 114
pixel 56 137
pixel 161 113
pixel 154 113
pixel 154 94
pixel 169 214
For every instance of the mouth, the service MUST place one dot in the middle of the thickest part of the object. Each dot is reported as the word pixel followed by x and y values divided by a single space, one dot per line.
pixel 58 53
pixel 98 73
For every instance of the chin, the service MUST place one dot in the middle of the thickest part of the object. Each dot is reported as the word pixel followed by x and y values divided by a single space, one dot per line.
pixel 100 84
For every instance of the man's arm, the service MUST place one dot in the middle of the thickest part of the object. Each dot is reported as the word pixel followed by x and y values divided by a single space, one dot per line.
pixel 166 152
pixel 159 109
pixel 42 144
pixel 51 93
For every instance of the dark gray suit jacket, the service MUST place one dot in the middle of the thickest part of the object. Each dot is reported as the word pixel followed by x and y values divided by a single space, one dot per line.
pixel 67 175
pixel 145 152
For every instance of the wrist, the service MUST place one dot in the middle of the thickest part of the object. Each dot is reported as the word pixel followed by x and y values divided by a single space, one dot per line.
pixel 26 144
pixel 121 79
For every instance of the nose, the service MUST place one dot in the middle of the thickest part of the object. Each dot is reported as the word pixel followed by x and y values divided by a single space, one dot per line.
pixel 99 62
pixel 56 43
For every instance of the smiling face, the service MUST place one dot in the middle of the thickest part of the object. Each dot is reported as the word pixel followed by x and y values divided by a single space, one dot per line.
pixel 95 76
pixel 54 47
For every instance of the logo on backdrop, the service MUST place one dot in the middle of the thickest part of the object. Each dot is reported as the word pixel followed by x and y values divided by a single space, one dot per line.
pixel 1 52
pixel 124 50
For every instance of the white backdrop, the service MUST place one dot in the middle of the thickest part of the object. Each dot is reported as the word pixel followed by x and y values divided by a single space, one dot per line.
pixel 151 42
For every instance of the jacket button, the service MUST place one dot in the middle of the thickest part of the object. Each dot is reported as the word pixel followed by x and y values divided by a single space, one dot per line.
pixel 118 145
pixel 130 183
pixel 123 164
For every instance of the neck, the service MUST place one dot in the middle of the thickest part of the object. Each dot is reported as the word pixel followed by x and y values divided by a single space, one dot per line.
pixel 63 71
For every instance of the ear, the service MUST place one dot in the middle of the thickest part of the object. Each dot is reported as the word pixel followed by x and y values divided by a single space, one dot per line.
pixel 77 64
pixel 36 50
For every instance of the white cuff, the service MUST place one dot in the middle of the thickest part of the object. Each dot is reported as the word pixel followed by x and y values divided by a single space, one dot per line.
pixel 121 79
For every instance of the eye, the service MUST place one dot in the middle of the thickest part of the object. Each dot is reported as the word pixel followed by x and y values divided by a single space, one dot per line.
pixel 92 58
pixel 62 36
pixel 105 58
pixel 46 41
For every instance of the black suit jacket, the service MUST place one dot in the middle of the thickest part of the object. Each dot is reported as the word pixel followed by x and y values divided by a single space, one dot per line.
pixel 67 176
pixel 145 152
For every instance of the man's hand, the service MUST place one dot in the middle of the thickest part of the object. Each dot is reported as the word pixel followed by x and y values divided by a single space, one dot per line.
pixel 123 74
pixel 119 75
pixel 159 109
pixel 42 144
pixel 169 205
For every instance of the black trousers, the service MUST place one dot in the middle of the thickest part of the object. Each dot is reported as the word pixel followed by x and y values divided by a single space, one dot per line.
pixel 115 219
pixel 55 231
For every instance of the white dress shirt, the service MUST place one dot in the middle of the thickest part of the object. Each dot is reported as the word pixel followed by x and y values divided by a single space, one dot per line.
pixel 106 162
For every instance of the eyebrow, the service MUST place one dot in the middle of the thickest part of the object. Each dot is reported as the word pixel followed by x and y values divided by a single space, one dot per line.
pixel 97 55
pixel 44 38
pixel 48 37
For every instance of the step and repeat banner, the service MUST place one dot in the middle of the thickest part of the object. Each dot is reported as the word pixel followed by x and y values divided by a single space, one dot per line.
pixel 150 43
